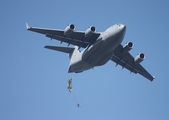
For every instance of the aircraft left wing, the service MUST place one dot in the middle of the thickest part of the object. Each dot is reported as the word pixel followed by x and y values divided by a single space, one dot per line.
pixel 126 60
pixel 68 35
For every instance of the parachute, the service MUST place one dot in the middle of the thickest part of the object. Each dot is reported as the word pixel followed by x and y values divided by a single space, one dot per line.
pixel 69 87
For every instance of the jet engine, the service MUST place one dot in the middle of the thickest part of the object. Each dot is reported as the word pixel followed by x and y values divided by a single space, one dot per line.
pixel 128 46
pixel 90 31
pixel 139 58
pixel 69 29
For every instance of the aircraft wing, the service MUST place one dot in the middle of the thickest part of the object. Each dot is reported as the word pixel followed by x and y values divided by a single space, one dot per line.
pixel 75 38
pixel 126 60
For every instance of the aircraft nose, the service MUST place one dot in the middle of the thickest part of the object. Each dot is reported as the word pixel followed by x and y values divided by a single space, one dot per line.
pixel 122 27
pixel 122 30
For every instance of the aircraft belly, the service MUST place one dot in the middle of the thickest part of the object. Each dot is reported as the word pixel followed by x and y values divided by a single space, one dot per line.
pixel 102 53
pixel 80 66
pixel 77 64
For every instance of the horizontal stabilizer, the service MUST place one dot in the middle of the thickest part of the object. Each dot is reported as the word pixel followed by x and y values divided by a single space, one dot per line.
pixel 61 49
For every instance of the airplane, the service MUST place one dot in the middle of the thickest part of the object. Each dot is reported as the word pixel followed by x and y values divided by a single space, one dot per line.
pixel 98 48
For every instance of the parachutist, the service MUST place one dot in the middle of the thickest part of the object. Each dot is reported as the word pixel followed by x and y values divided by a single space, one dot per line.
pixel 69 85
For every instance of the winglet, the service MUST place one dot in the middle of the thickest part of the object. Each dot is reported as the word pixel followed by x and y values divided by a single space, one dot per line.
pixel 27 26
pixel 153 77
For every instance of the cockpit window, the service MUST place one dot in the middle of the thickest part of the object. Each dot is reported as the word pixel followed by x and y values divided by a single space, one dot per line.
pixel 119 25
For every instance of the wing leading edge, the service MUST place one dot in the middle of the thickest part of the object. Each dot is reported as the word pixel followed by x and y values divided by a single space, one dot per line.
pixel 126 60
pixel 75 38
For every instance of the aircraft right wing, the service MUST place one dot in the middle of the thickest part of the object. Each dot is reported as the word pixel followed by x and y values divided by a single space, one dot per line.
pixel 68 35
pixel 126 60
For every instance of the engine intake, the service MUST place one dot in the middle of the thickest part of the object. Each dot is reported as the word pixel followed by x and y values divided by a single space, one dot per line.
pixel 139 58
pixel 69 29
pixel 128 46
pixel 90 31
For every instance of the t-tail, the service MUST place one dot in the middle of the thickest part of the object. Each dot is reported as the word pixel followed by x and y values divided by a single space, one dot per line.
pixel 74 54
pixel 71 51
pixel 68 50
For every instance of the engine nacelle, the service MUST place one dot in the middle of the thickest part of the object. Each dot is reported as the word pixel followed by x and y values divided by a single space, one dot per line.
pixel 90 31
pixel 128 46
pixel 139 58
pixel 69 29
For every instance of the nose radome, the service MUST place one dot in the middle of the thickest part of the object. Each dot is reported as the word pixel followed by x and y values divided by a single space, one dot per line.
pixel 122 26
pixel 122 30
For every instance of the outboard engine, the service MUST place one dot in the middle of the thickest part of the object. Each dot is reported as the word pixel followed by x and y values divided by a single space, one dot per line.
pixel 139 58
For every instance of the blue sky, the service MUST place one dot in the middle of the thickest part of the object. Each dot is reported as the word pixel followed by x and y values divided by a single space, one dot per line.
pixel 33 80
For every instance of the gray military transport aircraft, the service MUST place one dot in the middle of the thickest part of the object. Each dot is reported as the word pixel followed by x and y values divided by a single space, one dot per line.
pixel 99 48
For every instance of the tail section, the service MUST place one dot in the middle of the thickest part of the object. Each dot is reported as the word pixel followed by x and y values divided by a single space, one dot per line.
pixel 75 58
pixel 75 52
pixel 71 51
pixel 68 50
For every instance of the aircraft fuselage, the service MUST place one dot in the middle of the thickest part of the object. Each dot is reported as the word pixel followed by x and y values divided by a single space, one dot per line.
pixel 98 53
